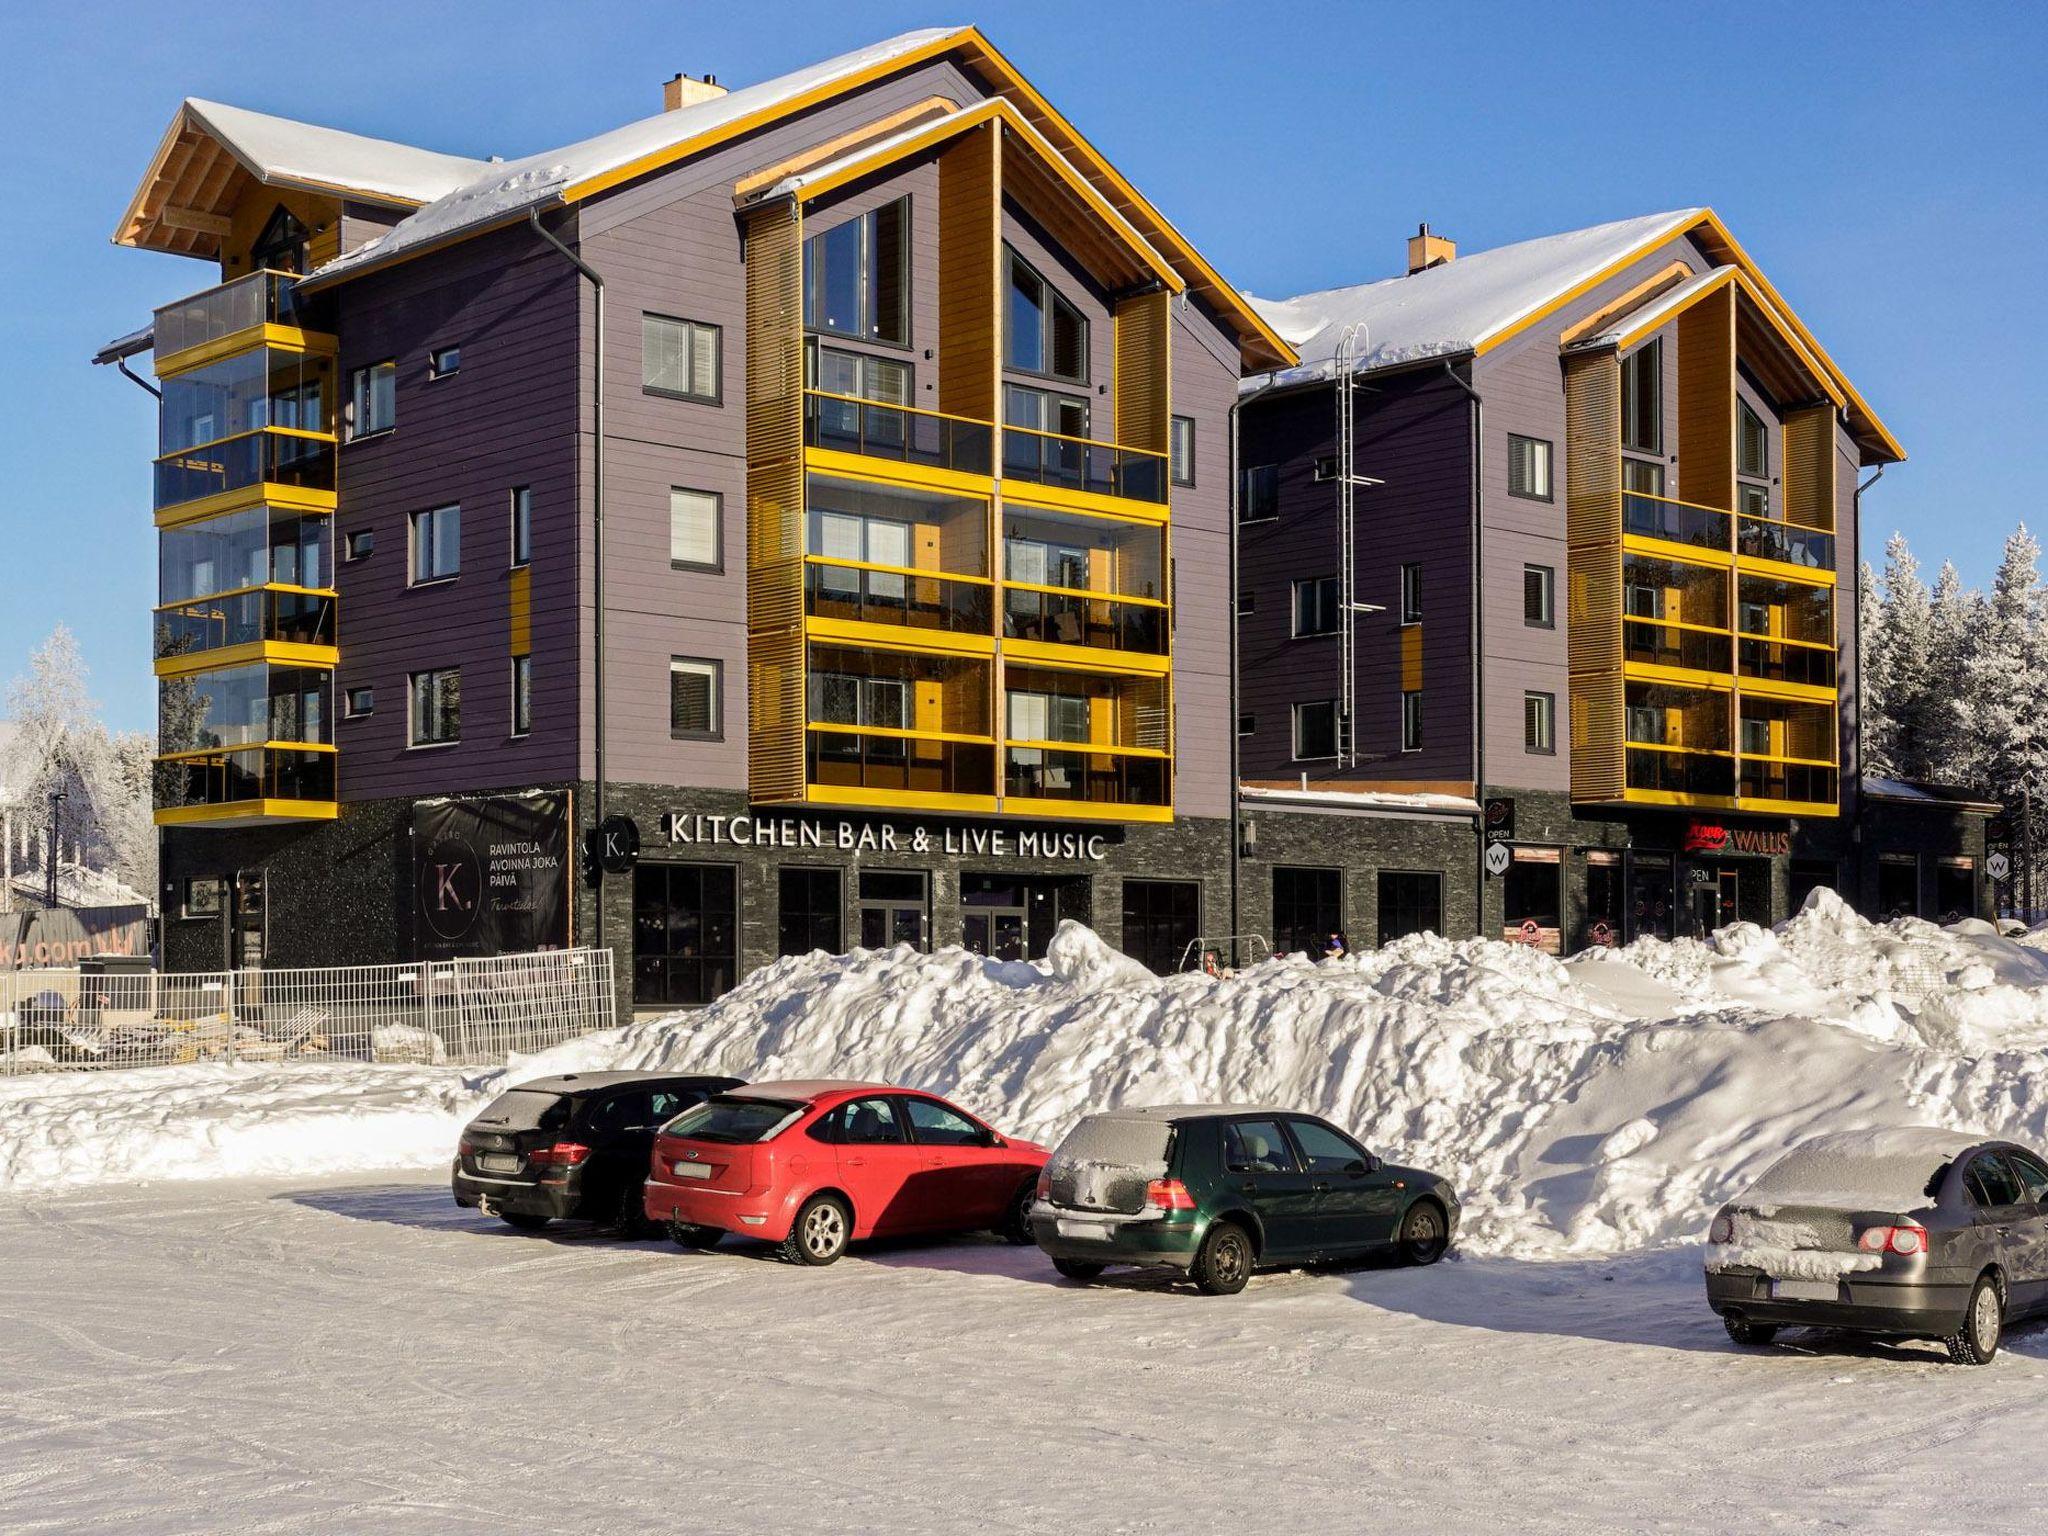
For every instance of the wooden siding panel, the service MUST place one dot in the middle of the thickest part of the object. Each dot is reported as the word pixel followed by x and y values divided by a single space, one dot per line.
pixel 1593 598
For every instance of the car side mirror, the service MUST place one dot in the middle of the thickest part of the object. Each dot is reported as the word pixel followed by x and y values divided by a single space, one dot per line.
pixel 1372 1163
pixel 996 1141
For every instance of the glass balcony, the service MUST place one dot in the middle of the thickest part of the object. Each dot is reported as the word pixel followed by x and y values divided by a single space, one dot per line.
pixel 1058 617
pixel 272 456
pixel 243 774
pixel 1764 538
pixel 256 547
pixel 261 298
pixel 1672 645
pixel 1098 778
pixel 838 758
pixel 243 706
pixel 875 429
pixel 291 614
pixel 1763 779
pixel 1680 773
pixel 1676 522
pixel 892 595
pixel 1079 464
pixel 1785 661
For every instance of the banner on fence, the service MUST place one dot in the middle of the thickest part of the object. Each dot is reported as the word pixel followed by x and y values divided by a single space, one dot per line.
pixel 65 935
pixel 491 875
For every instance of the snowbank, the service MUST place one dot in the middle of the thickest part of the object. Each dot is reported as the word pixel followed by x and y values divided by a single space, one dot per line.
pixel 1585 1107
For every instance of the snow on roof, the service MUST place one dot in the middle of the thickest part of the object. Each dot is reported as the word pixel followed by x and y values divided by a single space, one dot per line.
pixel 1657 311
pixel 1364 799
pixel 1882 788
pixel 511 187
pixel 1451 309
pixel 279 149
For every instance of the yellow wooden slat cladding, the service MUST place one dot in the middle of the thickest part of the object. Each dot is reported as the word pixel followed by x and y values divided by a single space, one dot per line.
pixel 775 504
pixel 970 257
pixel 1706 400
pixel 1143 371
pixel 1810 466
pixel 1593 573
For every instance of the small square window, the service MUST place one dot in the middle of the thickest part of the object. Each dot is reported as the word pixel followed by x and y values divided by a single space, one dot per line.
pixel 695 526
pixel 522 695
pixel 1326 467
pixel 1247 603
pixel 358 702
pixel 522 525
pixel 1411 720
pixel 680 358
pixel 1259 493
pixel 436 545
pixel 357 545
pixel 1539 722
pixel 373 399
pixel 443 361
pixel 1529 467
pixel 1317 602
pixel 436 713
pixel 1315 730
pixel 1539 596
pixel 1183 450
pixel 203 899
pixel 1247 724
pixel 695 685
pixel 1411 594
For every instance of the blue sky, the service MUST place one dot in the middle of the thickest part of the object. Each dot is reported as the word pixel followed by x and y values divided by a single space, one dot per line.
pixel 1881 161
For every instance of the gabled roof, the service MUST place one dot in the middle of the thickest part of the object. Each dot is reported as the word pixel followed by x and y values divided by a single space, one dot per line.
pixel 1483 300
pixel 210 149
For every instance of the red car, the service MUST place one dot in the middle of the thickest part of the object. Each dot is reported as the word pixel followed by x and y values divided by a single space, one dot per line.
pixel 813 1166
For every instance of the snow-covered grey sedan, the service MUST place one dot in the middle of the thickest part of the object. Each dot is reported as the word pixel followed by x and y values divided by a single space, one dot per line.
pixel 1907 1233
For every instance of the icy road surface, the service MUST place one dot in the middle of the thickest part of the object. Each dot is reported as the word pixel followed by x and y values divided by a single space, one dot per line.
pixel 354 1354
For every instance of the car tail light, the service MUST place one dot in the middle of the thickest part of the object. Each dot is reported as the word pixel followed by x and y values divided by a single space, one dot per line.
pixel 465 1148
pixel 563 1154
pixel 1723 1229
pixel 1169 1195
pixel 1905 1241
pixel 1044 1191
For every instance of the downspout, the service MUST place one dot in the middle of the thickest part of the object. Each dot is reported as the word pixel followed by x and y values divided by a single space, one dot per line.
pixel 1478 595
pixel 141 383
pixel 1856 678
pixel 596 537
pixel 1231 493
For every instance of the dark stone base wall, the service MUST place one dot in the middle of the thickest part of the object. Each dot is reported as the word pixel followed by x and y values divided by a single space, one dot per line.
pixel 1361 846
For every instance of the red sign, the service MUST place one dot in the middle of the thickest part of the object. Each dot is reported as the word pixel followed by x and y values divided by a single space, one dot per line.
pixel 1711 837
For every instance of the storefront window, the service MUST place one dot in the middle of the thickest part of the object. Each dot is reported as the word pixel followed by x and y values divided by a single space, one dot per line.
pixel 685 933
pixel 1308 906
pixel 1650 896
pixel 1898 885
pixel 1955 890
pixel 808 912
pixel 1007 918
pixel 1531 899
pixel 1162 918
pixel 1805 877
pixel 1601 923
pixel 895 908
pixel 1410 901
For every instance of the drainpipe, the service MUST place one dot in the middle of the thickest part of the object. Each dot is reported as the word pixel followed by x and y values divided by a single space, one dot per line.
pixel 1478 592
pixel 1856 676
pixel 1230 510
pixel 596 533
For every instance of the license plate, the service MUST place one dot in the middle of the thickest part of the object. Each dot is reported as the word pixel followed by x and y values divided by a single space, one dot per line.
pixel 497 1162
pixel 1095 1230
pixel 691 1170
pixel 1804 1290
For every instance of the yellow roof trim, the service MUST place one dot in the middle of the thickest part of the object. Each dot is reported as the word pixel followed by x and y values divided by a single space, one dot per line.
pixel 1661 312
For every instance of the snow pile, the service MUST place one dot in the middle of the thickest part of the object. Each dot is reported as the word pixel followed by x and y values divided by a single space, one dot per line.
pixel 1585 1107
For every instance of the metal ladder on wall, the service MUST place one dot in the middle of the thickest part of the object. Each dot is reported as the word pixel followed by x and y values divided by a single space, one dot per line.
pixel 1348 605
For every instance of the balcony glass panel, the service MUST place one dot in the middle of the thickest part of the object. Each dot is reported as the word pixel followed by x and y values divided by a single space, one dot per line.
pixel 1789 610
pixel 1050 704
pixel 1789 728
pixel 1668 645
pixel 867 760
pixel 1677 522
pixel 1062 618
pixel 264 387
pixel 258 458
pixel 879 430
pixel 1763 538
pixel 250 773
pixel 856 687
pixel 896 525
pixel 1763 780
pixel 1785 662
pixel 1674 591
pixel 1669 715
pixel 853 593
pixel 251 548
pixel 239 618
pixel 261 298
pixel 1078 464
pixel 243 706
pixel 1099 778
pixel 1680 773
pixel 1101 555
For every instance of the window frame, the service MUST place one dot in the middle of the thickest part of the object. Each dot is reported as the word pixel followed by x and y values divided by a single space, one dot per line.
pixel 436 367
pixel 869 242
pixel 520 513
pixel 414 742
pixel 1411 719
pixel 716 669
pixel 1054 298
pixel 716 395
pixel 716 564
pixel 1745 415
pixel 1635 363
pixel 1176 460
pixel 1247 723
pixel 1328 592
pixel 1411 593
pixel 1381 880
pixel 1295 742
pixel 413 578
pixel 388 366
pixel 358 544
pixel 1270 473
pixel 1547 585
pixel 1247 602
pixel 348 701
pixel 522 703
pixel 1545 704
pixel 1547 458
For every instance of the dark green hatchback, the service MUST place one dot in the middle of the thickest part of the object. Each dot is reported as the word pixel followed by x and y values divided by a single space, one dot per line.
pixel 1218 1190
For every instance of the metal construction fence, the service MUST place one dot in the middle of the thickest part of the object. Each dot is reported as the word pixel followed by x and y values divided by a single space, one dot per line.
pixel 458 1012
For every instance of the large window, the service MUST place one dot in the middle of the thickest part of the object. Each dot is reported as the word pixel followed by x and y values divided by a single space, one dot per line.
pixel 1259 493
pixel 685 932
pixel 885 380
pixel 1042 331
pixel 680 358
pixel 1316 605
pixel 436 544
pixel 695 529
pixel 1044 410
pixel 1183 450
pixel 1898 885
pixel 1308 907
pixel 1315 730
pixel 808 911
pixel 373 399
pixel 1529 467
pixel 436 707
pixel 1642 398
pixel 695 708
pixel 1161 919
pixel 844 698
pixel 857 276
pixel 1539 596
pixel 1410 901
pixel 1642 478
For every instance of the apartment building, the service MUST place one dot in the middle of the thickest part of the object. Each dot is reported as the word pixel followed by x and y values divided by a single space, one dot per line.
pixel 1546 606
pixel 808 507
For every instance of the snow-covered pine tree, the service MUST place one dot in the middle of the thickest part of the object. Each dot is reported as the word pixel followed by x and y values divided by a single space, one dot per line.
pixel 1949 754
pixel 2004 691
pixel 1897 665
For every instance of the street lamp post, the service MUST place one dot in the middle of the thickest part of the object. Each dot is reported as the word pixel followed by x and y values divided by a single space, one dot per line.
pixel 57 799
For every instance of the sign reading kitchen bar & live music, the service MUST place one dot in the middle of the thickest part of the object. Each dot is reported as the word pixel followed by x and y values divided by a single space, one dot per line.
pixel 490 875
pixel 845 836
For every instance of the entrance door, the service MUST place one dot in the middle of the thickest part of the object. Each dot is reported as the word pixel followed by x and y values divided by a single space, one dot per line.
pixel 1717 901
pixel 893 907
pixel 245 938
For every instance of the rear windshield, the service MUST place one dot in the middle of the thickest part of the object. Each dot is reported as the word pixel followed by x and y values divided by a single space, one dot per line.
pixel 1866 1170
pixel 1112 1141
pixel 523 1109
pixel 733 1119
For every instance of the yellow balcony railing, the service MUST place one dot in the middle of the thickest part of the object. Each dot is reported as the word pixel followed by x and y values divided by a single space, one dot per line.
pixel 879 429
pixel 862 592
pixel 267 456
pixel 223 776
pixel 214 314
pixel 277 611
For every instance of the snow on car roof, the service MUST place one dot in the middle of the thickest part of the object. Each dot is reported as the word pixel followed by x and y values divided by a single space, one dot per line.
pixel 1193 1111
pixel 585 1082
pixel 1869 1170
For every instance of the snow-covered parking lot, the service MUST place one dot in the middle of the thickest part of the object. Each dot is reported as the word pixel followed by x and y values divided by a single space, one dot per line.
pixel 354 1354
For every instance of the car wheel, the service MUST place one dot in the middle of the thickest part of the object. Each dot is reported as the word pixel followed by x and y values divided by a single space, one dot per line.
pixel 1976 1341
pixel 1424 1233
pixel 1016 1227
pixel 1224 1263
pixel 818 1235
pixel 525 1221
pixel 629 1215
pixel 1743 1331
pixel 687 1236
pixel 1078 1269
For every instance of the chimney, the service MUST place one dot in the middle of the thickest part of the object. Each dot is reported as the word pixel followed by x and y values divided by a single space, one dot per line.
pixel 1426 250
pixel 686 91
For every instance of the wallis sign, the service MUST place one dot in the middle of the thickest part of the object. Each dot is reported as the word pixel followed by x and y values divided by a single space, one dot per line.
pixel 688 830
pixel 1711 837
